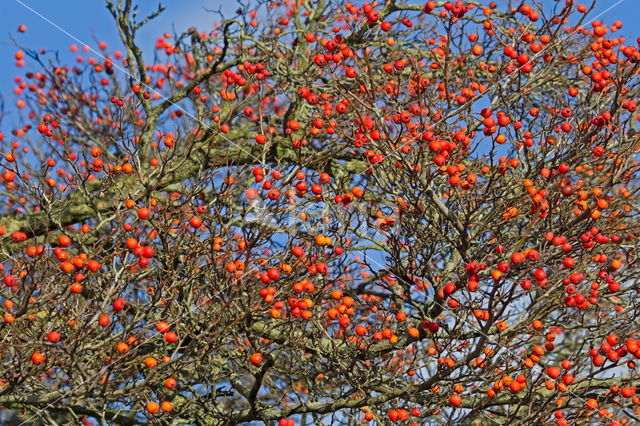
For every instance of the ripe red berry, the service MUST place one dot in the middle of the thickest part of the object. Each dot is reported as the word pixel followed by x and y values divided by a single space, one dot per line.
pixel 53 336
pixel 38 358
pixel 256 358
pixel 144 213
pixel 119 304
pixel 64 241
pixel 455 400
pixel 171 337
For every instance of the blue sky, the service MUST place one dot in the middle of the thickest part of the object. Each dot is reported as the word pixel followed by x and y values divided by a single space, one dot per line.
pixel 90 22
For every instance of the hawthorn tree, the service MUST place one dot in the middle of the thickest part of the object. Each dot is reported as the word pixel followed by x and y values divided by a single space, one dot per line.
pixel 327 212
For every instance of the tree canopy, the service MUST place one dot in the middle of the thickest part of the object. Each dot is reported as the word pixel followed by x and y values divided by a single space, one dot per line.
pixel 326 212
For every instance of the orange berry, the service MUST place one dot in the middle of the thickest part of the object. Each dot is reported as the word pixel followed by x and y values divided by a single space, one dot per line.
pixel 153 407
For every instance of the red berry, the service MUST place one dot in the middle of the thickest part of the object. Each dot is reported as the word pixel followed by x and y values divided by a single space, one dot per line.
pixel 256 358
